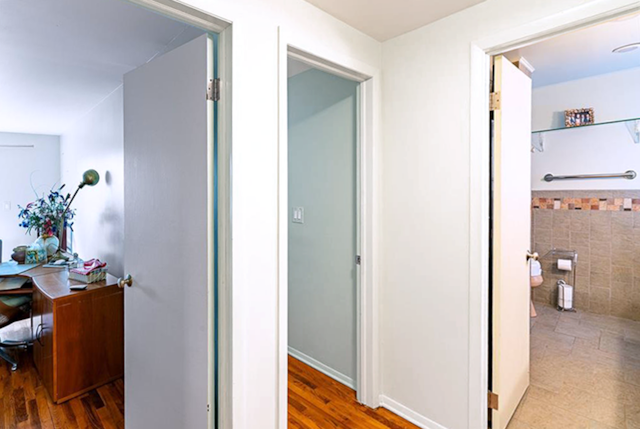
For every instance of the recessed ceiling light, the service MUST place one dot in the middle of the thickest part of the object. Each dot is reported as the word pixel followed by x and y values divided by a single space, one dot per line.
pixel 626 48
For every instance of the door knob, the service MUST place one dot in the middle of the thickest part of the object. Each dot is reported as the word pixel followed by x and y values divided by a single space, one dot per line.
pixel 125 281
pixel 530 256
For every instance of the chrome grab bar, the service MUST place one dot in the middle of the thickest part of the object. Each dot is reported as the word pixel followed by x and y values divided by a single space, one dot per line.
pixel 630 174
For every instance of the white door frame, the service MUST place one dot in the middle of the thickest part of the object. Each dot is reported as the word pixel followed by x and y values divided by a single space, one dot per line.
pixel 481 52
pixel 367 375
pixel 205 21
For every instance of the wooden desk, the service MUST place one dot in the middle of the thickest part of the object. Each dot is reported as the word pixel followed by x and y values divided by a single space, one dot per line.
pixel 79 335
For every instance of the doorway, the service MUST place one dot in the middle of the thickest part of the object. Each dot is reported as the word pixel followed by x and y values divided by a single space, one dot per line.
pixel 105 124
pixel 576 228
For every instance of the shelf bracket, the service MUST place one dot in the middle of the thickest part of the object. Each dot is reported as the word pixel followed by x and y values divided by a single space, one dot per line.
pixel 537 142
pixel 634 129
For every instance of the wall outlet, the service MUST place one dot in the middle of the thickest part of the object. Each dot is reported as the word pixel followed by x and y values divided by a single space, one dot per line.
pixel 6 206
pixel 298 215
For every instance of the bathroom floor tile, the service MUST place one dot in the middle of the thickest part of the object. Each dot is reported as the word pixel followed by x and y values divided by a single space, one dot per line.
pixel 585 373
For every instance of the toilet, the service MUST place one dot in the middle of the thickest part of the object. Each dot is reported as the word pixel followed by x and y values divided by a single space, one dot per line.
pixel 536 280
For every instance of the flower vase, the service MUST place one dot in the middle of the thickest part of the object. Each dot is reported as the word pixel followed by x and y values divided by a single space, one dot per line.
pixel 49 243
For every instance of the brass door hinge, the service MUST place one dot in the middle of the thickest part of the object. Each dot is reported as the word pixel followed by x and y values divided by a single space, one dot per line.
pixel 494 101
pixel 492 401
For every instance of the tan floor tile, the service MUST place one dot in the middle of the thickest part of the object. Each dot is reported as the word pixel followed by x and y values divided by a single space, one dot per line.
pixel 575 328
pixel 517 424
pixel 613 343
pixel 632 413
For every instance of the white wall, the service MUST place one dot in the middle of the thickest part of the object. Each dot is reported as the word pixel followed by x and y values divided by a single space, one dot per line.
pixel 26 173
pixel 96 141
pixel 601 149
pixel 322 180
pixel 427 281
pixel 256 25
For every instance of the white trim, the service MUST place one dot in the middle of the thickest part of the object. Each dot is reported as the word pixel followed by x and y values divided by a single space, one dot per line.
pixel 367 378
pixel 225 337
pixel 480 51
pixel 408 414
pixel 325 369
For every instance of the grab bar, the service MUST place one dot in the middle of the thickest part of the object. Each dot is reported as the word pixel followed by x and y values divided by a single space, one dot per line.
pixel 630 174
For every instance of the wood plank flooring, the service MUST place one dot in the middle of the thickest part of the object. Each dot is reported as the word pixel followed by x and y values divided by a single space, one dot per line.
pixel 315 402
pixel 318 401
pixel 25 403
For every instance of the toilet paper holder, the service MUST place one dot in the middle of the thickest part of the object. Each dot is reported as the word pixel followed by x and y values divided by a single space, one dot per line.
pixel 572 255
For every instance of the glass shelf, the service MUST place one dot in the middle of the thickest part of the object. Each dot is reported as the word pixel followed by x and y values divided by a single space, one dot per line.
pixel 632 124
pixel 619 121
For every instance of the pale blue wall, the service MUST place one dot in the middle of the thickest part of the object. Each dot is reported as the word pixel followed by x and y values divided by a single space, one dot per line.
pixel 322 179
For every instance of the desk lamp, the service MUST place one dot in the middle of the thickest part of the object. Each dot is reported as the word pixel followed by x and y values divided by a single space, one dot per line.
pixel 89 177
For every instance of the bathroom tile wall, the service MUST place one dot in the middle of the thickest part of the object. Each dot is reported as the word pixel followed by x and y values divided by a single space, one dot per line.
pixel 607 238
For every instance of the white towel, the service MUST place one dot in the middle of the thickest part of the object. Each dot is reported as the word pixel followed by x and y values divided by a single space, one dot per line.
pixel 536 268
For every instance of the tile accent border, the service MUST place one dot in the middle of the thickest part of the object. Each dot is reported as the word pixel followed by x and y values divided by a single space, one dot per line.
pixel 589 203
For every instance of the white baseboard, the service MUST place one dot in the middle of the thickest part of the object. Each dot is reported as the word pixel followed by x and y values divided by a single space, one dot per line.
pixel 339 377
pixel 408 414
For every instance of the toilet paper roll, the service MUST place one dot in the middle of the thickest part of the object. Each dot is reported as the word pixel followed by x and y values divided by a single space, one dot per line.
pixel 564 264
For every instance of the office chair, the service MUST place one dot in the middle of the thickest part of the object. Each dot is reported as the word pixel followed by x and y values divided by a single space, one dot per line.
pixel 14 311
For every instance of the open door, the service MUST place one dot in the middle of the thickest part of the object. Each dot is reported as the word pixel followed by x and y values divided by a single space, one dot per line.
pixel 511 239
pixel 168 153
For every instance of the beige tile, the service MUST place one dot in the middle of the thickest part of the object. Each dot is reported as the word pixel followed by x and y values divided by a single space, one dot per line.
pixel 543 235
pixel 622 274
pixel 517 424
pixel 542 415
pixel 622 257
pixel 600 264
pixel 621 307
pixel 621 222
pixel 616 344
pixel 579 239
pixel 575 329
pixel 580 221
pixel 613 390
pixel 543 219
pixel 599 248
pixel 599 281
pixel 561 243
pixel 561 219
pixel 632 414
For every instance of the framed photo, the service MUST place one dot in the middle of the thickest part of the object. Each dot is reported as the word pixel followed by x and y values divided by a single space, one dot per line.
pixel 578 117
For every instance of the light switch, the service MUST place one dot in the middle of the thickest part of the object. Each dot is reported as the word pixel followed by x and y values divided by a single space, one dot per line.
pixel 6 206
pixel 298 215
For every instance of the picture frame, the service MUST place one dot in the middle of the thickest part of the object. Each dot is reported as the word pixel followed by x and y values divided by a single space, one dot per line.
pixel 578 117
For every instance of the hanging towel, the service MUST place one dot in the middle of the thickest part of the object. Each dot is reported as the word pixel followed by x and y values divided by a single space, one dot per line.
pixel 536 269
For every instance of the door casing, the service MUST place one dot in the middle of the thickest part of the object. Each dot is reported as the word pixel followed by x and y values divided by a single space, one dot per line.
pixel 480 171
pixel 367 379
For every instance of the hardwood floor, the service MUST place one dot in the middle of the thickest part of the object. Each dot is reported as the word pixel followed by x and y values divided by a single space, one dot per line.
pixel 317 401
pixel 25 403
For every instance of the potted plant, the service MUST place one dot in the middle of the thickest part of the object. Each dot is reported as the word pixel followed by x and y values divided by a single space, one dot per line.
pixel 49 216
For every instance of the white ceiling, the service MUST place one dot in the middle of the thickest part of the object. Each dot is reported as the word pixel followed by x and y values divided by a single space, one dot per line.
pixel 383 19
pixel 60 58
pixel 583 53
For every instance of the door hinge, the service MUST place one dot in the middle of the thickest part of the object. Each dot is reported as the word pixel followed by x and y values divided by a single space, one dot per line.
pixel 494 101
pixel 208 408
pixel 492 401
pixel 358 260
pixel 213 89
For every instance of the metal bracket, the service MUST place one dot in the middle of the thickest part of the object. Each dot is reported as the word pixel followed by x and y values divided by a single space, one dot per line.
pixel 213 90
pixel 634 129
pixel 358 260
pixel 537 142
